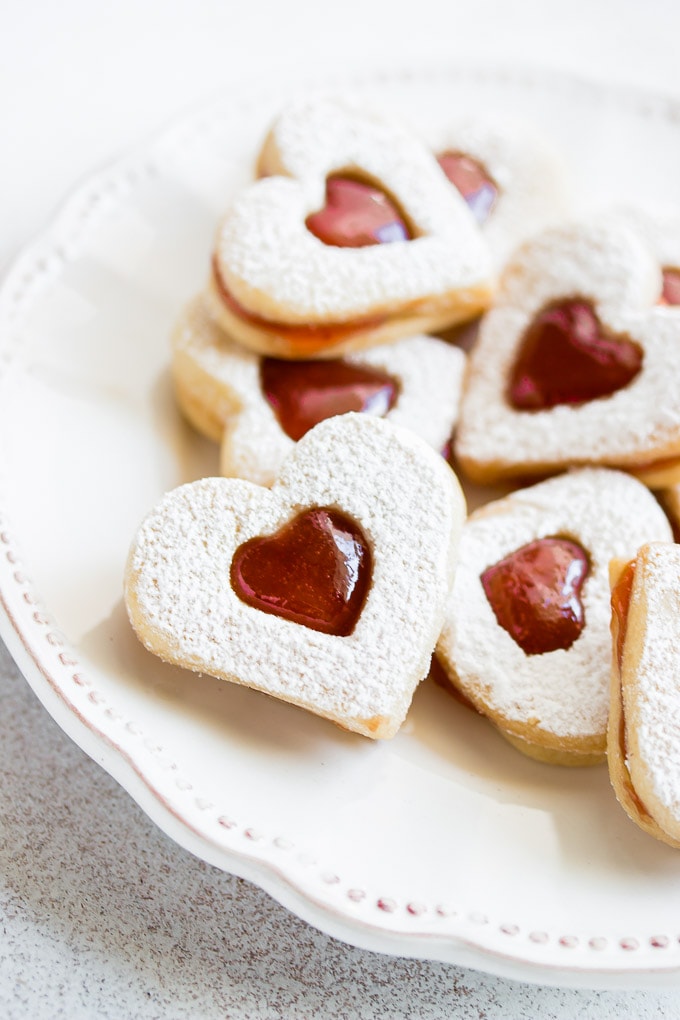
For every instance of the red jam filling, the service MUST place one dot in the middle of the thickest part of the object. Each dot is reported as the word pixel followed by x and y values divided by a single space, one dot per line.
pixel 670 292
pixel 472 180
pixel 303 393
pixel 621 593
pixel 355 215
pixel 535 594
pixel 568 357
pixel 314 571
pixel 620 602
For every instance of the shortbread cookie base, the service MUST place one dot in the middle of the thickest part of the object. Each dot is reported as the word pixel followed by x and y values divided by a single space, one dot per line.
pixel 661 471
pixel 644 723
pixel 273 278
pixel 384 327
pixel 376 727
pixel 557 701
pixel 552 756
pixel 203 398
pixel 637 427
pixel 218 388
pixel 670 501
pixel 410 508
pixel 660 474
pixel 534 743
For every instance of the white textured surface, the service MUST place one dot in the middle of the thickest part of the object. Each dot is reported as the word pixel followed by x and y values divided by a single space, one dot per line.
pixel 564 693
pixel 102 916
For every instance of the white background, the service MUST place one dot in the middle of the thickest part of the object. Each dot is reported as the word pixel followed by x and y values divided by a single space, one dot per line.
pixel 101 916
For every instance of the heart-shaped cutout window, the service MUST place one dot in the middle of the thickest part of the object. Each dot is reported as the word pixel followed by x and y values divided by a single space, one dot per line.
pixel 304 393
pixel 473 181
pixel 567 356
pixel 670 292
pixel 356 215
pixel 535 593
pixel 314 571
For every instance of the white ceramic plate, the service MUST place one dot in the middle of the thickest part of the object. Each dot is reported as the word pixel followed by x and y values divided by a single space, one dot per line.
pixel 444 843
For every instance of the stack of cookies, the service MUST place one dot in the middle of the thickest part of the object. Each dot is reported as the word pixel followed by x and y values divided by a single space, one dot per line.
pixel 334 556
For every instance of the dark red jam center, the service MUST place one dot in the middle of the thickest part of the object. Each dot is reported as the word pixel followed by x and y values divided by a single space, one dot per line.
pixel 670 293
pixel 355 215
pixel 472 180
pixel 314 571
pixel 303 393
pixel 535 594
pixel 568 357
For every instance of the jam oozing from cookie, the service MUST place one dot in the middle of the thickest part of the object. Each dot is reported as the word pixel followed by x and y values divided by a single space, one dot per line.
pixel 473 181
pixel 315 571
pixel 670 291
pixel 620 602
pixel 303 393
pixel 535 594
pixel 312 337
pixel 567 356
pixel 356 215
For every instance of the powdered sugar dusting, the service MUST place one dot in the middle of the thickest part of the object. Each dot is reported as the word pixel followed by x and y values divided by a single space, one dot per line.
pixel 274 266
pixel 563 692
pixel 226 376
pixel 654 699
pixel 658 226
pixel 410 509
pixel 615 269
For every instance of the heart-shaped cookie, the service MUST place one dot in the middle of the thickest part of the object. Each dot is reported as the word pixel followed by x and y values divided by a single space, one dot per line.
pixel 288 286
pixel 512 178
pixel 575 364
pixel 257 407
pixel 644 724
pixel 526 638
pixel 377 515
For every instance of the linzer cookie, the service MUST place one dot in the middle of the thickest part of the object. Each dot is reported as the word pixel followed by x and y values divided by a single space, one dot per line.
pixel 327 590
pixel 526 639
pixel 511 178
pixel 644 726
pixel 258 407
pixel 575 364
pixel 352 237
